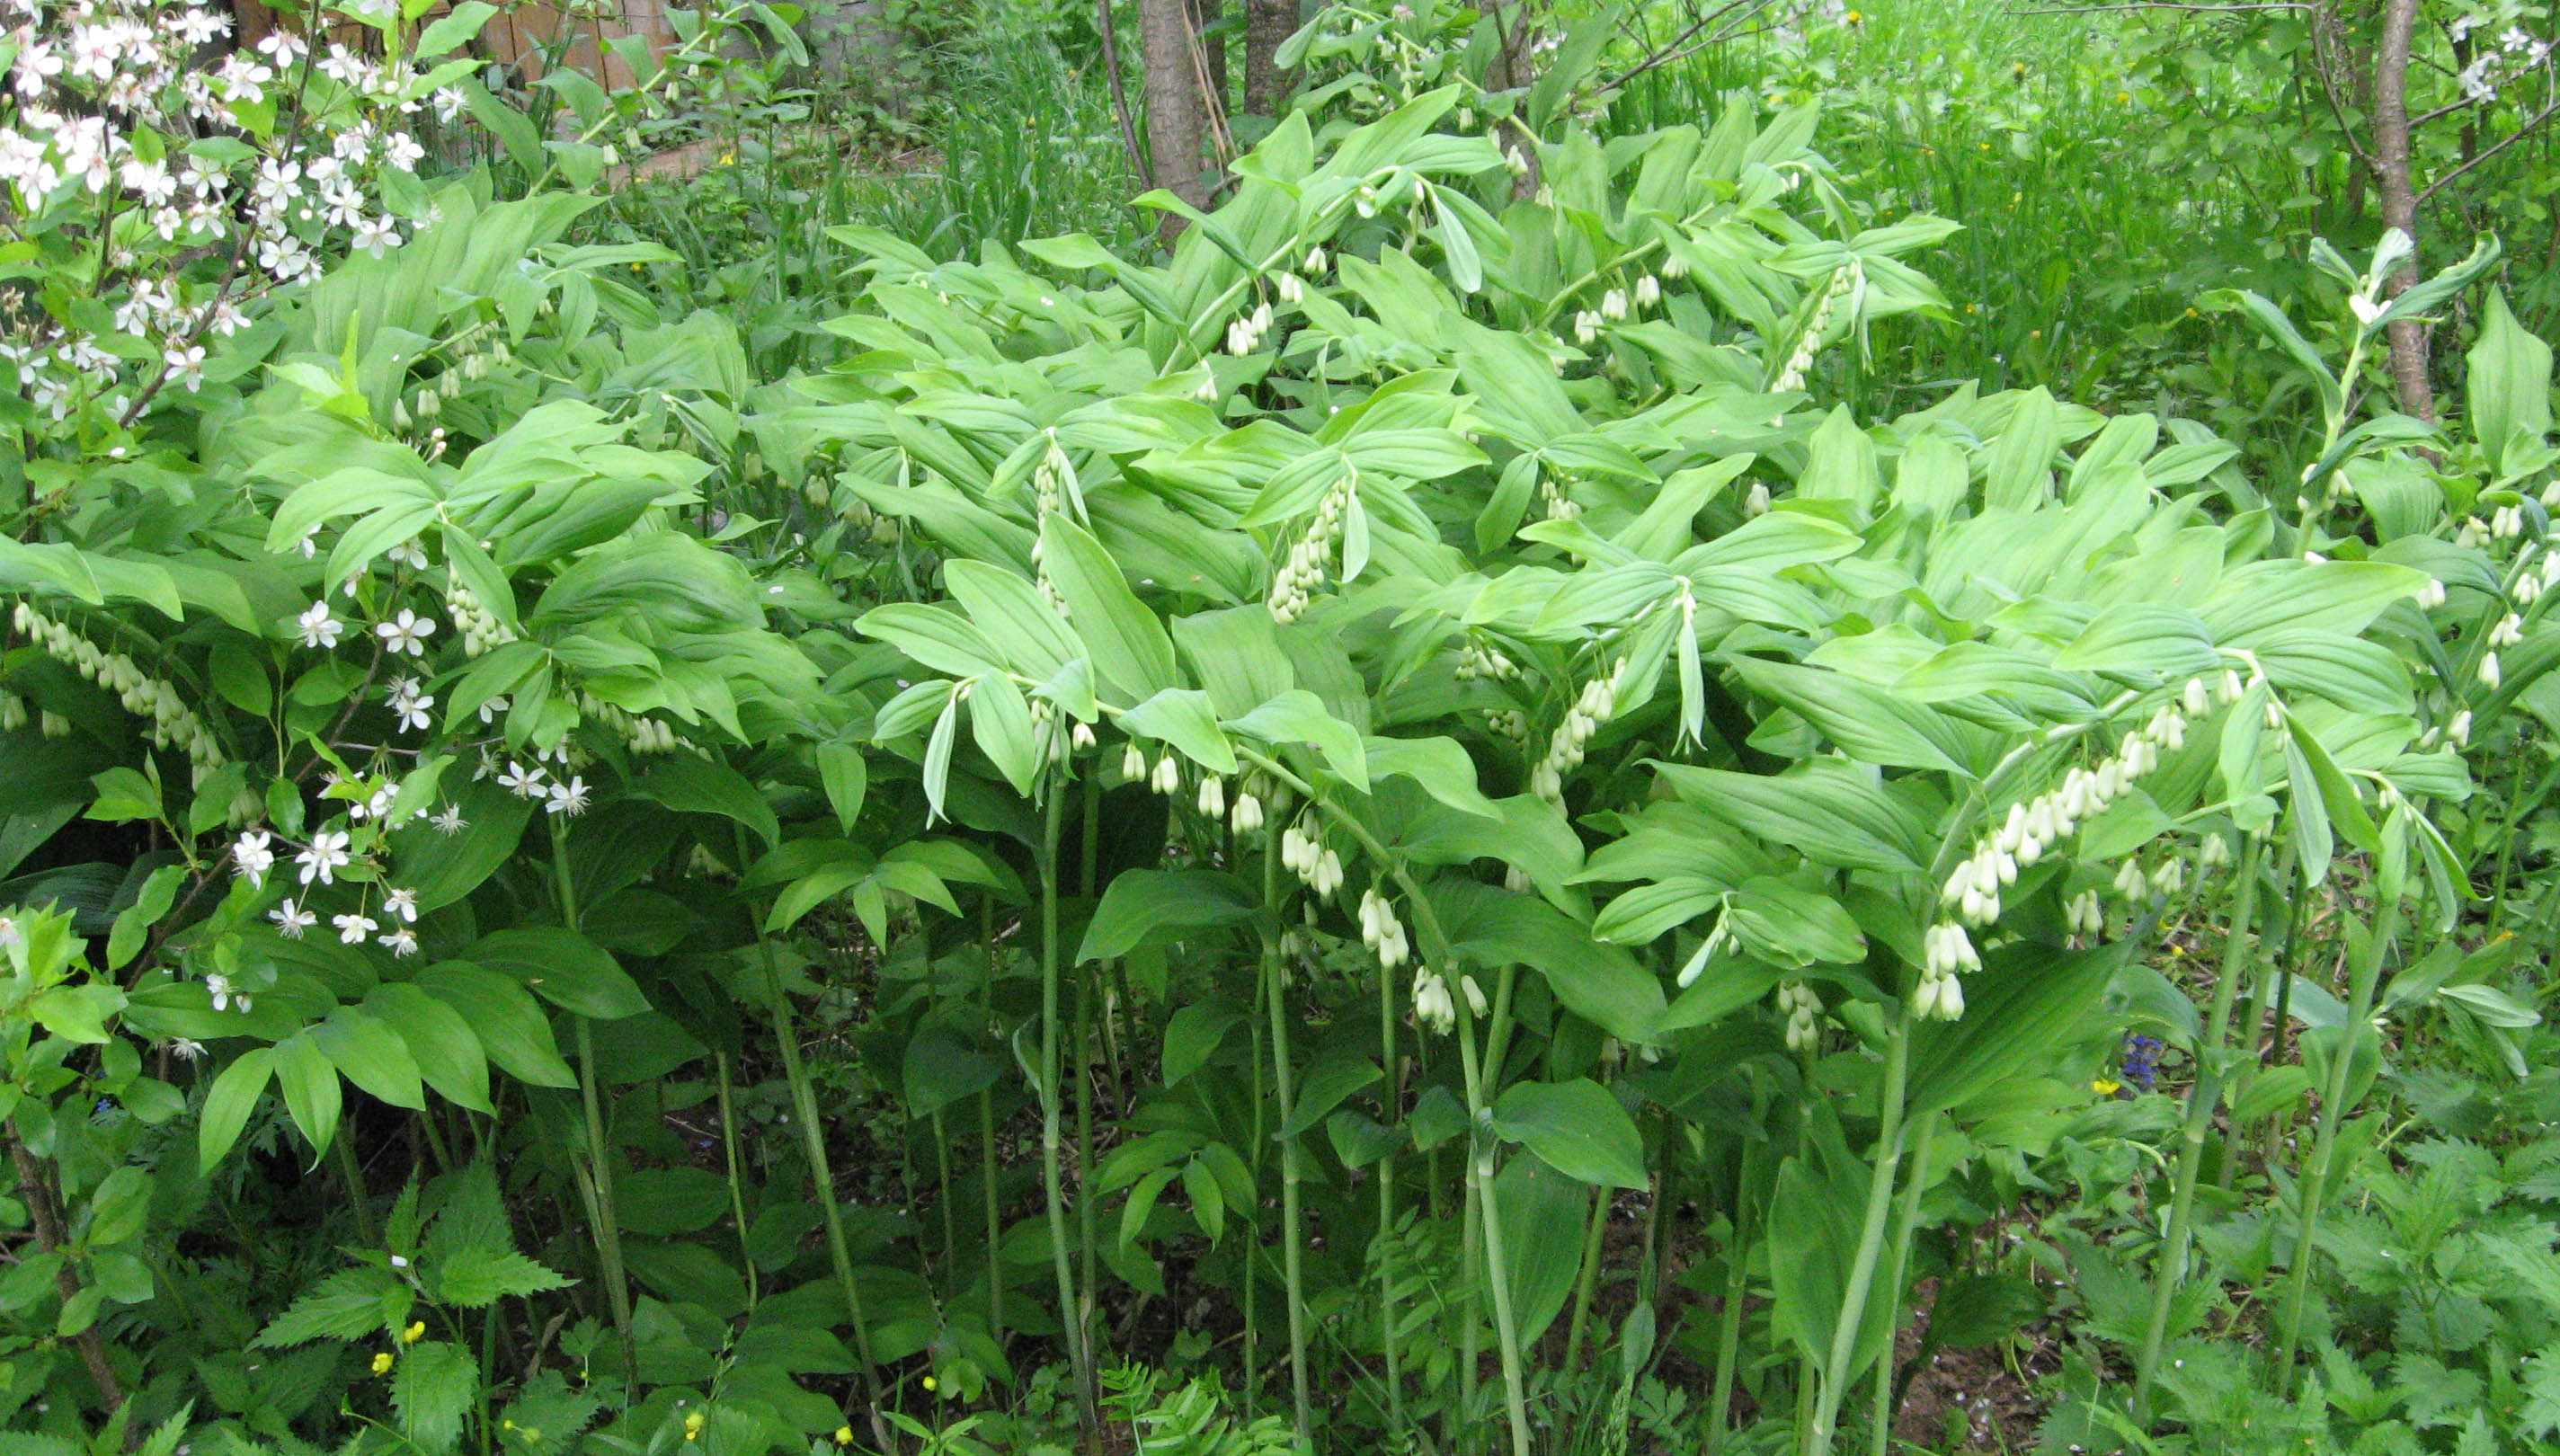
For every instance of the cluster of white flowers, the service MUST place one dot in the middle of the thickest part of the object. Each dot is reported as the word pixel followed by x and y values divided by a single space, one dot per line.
pixel 1559 506
pixel 1244 815
pixel 1481 660
pixel 479 627
pixel 2507 631
pixel 1945 951
pixel 2529 585
pixel 1164 778
pixel 2505 523
pixel 2032 827
pixel 102 134
pixel 1508 722
pixel 1803 1012
pixel 1246 334
pixel 1304 854
pixel 1433 1010
pixel 643 734
pixel 2082 914
pixel 1293 586
pixel 1617 305
pixel 1078 737
pixel 1597 704
pixel 2518 52
pixel 556 795
pixel 173 725
pixel 2137 888
pixel 1811 342
pixel 1381 931
pixel 1051 482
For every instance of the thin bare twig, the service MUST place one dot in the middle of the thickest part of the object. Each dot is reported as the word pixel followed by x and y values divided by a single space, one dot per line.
pixel 2510 139
pixel 1670 49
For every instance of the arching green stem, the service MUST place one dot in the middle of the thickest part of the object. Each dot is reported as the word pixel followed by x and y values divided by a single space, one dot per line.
pixel 2201 1098
pixel 1871 1240
pixel 2370 952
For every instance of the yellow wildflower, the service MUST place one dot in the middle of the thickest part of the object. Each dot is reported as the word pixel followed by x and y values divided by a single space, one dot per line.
pixel 2104 1087
pixel 382 1362
pixel 844 1435
pixel 414 1333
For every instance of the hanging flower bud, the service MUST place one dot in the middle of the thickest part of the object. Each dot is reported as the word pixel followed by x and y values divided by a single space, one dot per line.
pixel 1133 763
pixel 1168 778
pixel 1328 876
pixel 2489 672
pixel 1246 816
pixel 1432 1007
pixel 2130 882
pixel 2169 877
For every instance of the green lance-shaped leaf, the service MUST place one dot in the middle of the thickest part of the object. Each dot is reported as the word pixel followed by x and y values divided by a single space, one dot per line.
pixel 1579 1128
pixel 233 1098
pixel 1129 646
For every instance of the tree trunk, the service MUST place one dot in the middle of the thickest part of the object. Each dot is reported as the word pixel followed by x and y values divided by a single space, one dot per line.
pixel 1512 67
pixel 1266 24
pixel 2400 198
pixel 1177 124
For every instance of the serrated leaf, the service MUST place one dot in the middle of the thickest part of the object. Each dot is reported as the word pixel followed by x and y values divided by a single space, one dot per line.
pixel 473 1277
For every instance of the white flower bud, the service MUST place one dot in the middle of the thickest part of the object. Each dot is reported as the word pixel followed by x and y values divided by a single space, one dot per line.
pixel 1169 775
pixel 2489 672
pixel 2130 882
pixel 2460 729
pixel 1474 994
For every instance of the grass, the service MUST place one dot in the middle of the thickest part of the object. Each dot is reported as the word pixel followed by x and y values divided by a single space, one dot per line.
pixel 2109 170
